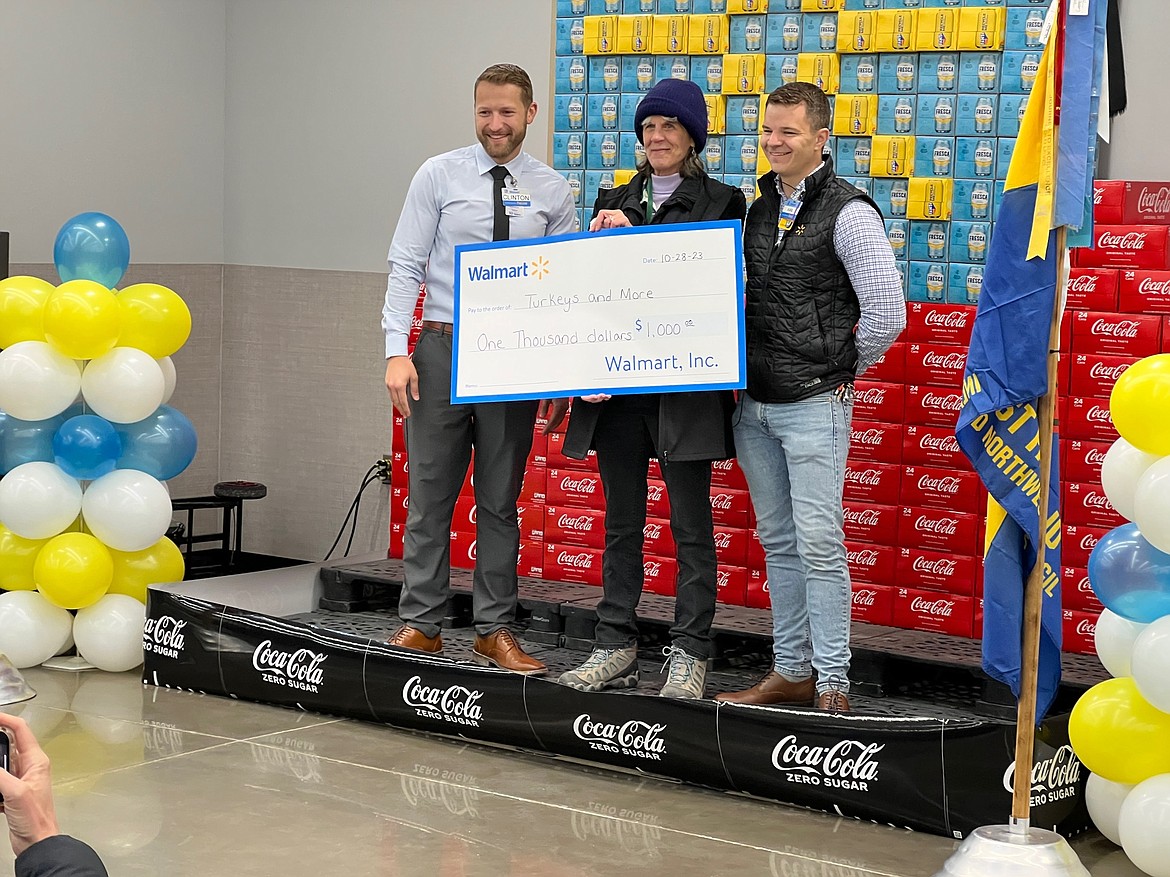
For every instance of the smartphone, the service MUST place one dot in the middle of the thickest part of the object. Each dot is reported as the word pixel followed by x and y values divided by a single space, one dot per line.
pixel 3 755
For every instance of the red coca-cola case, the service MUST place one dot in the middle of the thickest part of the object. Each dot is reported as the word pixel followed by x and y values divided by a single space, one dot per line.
pixel 538 456
pixel 916 609
pixel 1094 374
pixel 938 364
pixel 876 564
pixel 930 323
pixel 397 535
pixel 399 503
pixel 657 499
pixel 534 489
pixel 1079 630
pixel 1078 542
pixel 1087 504
pixel 1092 289
pixel 872 482
pixel 756 558
pixel 657 538
pixel 574 487
pixel 938 529
pixel 1108 196
pixel 726 473
pixel 1133 335
pixel 659 575
pixel 530 517
pixel 397 432
pixel 462 550
pixel 1081 460
pixel 880 401
pixel 891 365
pixel 572 563
pixel 932 446
pixel 757 589
pixel 731 585
pixel 937 571
pixel 1144 292
pixel 933 406
pixel 530 561
pixel 731 508
pixel 873 604
pixel 954 489
pixel 572 525
pixel 1126 246
pixel 875 442
pixel 1076 591
pixel 1145 202
pixel 865 522
pixel 399 468
pixel 556 455
pixel 731 546
pixel 1087 418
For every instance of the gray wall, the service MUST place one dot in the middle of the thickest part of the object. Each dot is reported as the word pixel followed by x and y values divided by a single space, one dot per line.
pixel 1137 145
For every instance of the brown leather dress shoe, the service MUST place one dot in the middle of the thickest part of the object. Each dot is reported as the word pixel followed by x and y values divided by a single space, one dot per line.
pixel 407 637
pixel 833 701
pixel 501 650
pixel 774 689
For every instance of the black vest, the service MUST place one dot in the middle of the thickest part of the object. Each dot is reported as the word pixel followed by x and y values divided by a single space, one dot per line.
pixel 801 308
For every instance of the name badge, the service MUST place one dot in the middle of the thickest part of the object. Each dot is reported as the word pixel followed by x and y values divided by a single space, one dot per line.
pixel 787 215
pixel 516 201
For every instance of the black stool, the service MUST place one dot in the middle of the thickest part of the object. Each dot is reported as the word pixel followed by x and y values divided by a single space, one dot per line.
pixel 228 496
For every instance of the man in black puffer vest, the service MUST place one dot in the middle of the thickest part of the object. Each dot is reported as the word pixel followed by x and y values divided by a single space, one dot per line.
pixel 824 302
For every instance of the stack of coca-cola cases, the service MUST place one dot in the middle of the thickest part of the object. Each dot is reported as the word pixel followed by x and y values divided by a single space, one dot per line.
pixel 914 508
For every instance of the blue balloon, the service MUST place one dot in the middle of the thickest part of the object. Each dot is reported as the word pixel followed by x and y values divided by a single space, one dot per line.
pixel 162 445
pixel 26 441
pixel 1130 576
pixel 92 246
pixel 86 447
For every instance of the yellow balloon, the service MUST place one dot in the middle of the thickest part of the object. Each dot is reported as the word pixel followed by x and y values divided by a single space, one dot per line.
pixel 17 556
pixel 73 570
pixel 1140 404
pixel 1118 735
pixel 134 571
pixel 22 309
pixel 82 319
pixel 154 319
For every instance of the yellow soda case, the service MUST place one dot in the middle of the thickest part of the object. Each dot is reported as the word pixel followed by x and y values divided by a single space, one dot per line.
pixel 634 34
pixel 601 34
pixel 670 35
pixel 930 198
pixel 743 74
pixel 938 29
pixel 891 155
pixel 856 32
pixel 855 115
pixel 716 114
pixel 981 29
pixel 707 34
pixel 822 69
pixel 623 176
pixel 897 30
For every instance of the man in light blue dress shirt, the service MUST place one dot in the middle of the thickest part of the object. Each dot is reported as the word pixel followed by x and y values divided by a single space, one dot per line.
pixel 453 200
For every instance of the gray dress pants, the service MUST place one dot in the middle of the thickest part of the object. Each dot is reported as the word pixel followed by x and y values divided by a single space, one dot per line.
pixel 439 440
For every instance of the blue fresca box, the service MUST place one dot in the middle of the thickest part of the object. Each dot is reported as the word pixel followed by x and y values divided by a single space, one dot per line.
pixel 964 283
pixel 1003 156
pixel 605 74
pixel 977 115
pixel 1011 107
pixel 898 232
pixel 934 115
pixel 570 75
pixel 569 112
pixel 938 72
pixel 565 8
pixel 979 71
pixel 746 33
pixel 818 32
pixel 928 281
pixel 603 112
pixel 604 7
pixel 743 114
pixel 1023 29
pixel 997 198
pixel 975 158
pixel 707 72
pixel 639 7
pixel 973 200
pixel 778 69
pixel 852 156
pixel 903 267
pixel 576 186
pixel 927 238
pixel 784 32
pixel 580 220
pixel 898 74
pixel 890 106
pixel 969 242
pixel 638 73
pixel 712 155
pixel 865 184
pixel 672 66
pixel 934 156
pixel 570 36
pixel 891 196
pixel 601 150
pixel 569 151
pixel 628 150
pixel 675 7
pixel 741 154
pixel 595 181
pixel 746 183
pixel 626 109
pixel 1019 71
pixel 859 74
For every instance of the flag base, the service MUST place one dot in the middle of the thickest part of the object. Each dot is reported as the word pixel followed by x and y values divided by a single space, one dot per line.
pixel 13 688
pixel 1001 851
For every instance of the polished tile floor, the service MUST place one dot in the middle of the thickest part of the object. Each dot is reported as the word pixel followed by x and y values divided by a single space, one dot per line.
pixel 168 782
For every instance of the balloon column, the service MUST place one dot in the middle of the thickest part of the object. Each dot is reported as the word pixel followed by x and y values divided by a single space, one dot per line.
pixel 86 440
pixel 1120 728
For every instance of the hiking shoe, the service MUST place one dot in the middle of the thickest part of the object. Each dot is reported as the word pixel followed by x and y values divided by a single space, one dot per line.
pixel 686 675
pixel 605 668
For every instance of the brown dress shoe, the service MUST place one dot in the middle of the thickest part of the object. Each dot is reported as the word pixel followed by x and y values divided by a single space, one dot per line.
pixel 407 637
pixel 501 650
pixel 773 689
pixel 833 701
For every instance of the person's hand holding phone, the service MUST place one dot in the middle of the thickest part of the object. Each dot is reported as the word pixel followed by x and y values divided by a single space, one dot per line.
pixel 25 787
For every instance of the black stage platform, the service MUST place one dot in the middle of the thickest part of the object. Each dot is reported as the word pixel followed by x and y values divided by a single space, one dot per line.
pixel 928 745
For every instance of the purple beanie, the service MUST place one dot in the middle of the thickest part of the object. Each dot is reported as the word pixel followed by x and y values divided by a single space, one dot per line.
pixel 679 98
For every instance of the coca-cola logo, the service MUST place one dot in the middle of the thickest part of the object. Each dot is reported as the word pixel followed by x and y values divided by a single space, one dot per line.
pixel 459 800
pixel 1098 414
pixel 721 501
pixel 864 597
pixel 1085 283
pixel 949 402
pixel 1098 197
pixel 1089 542
pixel 723 540
pixel 946 319
pixel 163 636
pixel 863 517
pixel 939 608
pixel 651 568
pixel 942 566
pixel 870 396
pixel 456 704
pixel 945 442
pixel 847 764
pixel 1086 627
pixel 652 531
pixel 939 526
pixel 577 524
pixel 1154 200
pixel 866 557
pixel 1116 329
pixel 1107 372
pixel 868 437
pixel 723 465
pixel 1095 457
pixel 948 484
pixel 1094 500
pixel 579 485
pixel 1149 286
pixel 583 560
pixel 949 361
pixel 1131 240
pixel 634 737
pixel 654 493
pixel 1053 779
pixel 864 477
pixel 722 578
pixel 300 669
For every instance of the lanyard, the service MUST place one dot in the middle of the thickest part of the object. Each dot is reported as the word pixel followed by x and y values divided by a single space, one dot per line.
pixel 649 198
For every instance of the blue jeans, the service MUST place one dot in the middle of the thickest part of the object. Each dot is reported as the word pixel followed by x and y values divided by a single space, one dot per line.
pixel 793 455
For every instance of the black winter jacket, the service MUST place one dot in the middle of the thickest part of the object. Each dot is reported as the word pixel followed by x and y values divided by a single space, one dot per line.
pixel 59 856
pixel 691 426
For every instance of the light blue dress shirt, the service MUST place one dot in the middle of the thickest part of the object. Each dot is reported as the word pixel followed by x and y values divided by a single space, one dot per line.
pixel 450 202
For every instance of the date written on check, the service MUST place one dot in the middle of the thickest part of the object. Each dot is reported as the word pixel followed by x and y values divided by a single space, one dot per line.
pixel 632 310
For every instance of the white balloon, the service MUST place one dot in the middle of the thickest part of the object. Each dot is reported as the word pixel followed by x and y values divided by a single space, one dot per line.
pixel 36 381
pixel 1104 799
pixel 109 633
pixel 1151 664
pixel 31 628
pixel 1151 504
pixel 170 377
pixel 1145 825
pixel 1114 637
pixel 1120 471
pixel 127 510
pixel 38 500
pixel 123 386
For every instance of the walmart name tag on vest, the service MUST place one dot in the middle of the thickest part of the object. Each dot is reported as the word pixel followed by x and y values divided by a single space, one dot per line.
pixel 631 310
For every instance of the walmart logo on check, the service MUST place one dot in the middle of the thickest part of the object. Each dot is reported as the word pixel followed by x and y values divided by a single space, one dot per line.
pixel 537 269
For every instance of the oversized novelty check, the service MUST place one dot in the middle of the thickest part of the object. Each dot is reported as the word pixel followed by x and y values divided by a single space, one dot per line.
pixel 632 310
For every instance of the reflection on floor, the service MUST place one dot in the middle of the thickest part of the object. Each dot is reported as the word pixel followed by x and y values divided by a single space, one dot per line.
pixel 169 782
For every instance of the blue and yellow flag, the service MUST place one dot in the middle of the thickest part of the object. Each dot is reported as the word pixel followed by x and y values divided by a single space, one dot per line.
pixel 998 428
